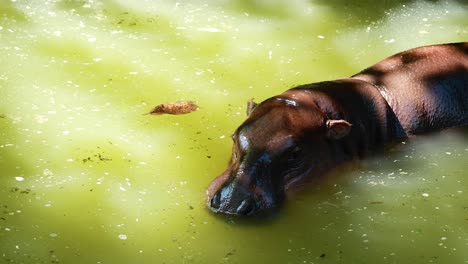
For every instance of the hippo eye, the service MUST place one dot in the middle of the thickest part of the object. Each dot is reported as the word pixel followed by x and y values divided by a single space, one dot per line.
pixel 294 154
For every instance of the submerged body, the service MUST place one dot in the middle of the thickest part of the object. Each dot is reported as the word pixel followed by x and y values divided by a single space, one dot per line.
pixel 308 130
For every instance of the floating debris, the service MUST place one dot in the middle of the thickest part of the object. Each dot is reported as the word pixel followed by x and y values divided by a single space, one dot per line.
pixel 175 108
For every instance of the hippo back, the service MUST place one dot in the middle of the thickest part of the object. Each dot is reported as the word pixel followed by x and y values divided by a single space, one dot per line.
pixel 426 87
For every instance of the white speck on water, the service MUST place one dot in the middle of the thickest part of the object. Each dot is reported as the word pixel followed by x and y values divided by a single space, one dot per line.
pixel 320 37
pixel 7 229
pixel 57 33
pixel 47 172
pixel 133 73
pixel 425 195
pixel 50 13
pixel 122 188
pixel 91 40
pixel 40 119
pixel 122 237
pixel 270 54
pixel 97 59
pixel 389 40
pixel 1 28
pixel 443 238
pixel 448 153
pixel 66 132
pixel 47 205
pixel 19 178
pixel 209 29
pixel 128 182
pixel 53 235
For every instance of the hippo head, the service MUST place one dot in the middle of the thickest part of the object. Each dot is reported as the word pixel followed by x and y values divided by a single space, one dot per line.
pixel 285 140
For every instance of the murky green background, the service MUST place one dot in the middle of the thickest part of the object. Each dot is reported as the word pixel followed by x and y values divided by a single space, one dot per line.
pixel 86 177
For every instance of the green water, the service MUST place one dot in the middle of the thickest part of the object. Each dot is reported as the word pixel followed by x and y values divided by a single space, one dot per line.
pixel 86 177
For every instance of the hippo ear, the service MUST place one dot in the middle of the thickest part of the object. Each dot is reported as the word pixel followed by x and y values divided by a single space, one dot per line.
pixel 337 129
pixel 250 106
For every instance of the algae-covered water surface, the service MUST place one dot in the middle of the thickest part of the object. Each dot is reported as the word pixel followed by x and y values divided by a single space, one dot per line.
pixel 87 177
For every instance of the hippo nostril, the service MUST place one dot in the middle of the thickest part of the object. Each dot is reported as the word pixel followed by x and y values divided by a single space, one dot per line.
pixel 246 207
pixel 215 202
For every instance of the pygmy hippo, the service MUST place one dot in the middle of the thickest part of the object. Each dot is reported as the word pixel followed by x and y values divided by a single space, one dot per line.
pixel 312 128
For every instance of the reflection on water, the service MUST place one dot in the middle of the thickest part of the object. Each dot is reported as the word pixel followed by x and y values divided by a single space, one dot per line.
pixel 86 177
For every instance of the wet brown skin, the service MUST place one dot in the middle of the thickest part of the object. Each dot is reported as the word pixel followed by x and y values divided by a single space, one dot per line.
pixel 308 130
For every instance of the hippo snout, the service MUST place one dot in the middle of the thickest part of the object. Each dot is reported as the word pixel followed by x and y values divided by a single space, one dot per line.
pixel 246 206
pixel 233 200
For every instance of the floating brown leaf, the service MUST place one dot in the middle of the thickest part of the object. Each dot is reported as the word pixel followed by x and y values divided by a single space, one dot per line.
pixel 175 108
